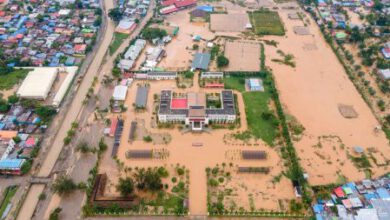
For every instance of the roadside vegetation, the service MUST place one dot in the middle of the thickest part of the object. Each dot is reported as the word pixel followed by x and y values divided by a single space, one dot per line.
pixel 117 42
pixel 9 192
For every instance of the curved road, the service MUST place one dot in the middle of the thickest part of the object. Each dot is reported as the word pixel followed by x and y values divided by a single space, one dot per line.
pixel 98 68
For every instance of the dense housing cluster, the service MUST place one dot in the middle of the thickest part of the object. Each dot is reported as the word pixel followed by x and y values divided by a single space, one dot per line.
pixel 366 199
pixel 18 138
pixel 48 33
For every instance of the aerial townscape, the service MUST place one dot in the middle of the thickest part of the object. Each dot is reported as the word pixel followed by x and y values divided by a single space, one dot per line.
pixel 194 109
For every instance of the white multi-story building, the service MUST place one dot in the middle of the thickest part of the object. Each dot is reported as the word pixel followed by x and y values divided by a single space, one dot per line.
pixel 191 109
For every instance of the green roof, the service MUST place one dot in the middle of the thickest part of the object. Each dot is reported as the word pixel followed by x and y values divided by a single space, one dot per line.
pixel 340 35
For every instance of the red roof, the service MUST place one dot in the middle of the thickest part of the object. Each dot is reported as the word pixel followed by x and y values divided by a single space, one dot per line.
pixel 30 142
pixel 29 24
pixel 179 103
pixel 169 9
pixel 80 47
pixel 184 3
pixel 168 2
pixel 339 192
pixel 114 123
pixel 214 85
pixel 178 3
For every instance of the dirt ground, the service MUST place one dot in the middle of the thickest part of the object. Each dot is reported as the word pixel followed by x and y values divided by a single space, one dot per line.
pixel 193 158
pixel 229 22
pixel 312 92
pixel 242 55
pixel 179 50
pixel 245 191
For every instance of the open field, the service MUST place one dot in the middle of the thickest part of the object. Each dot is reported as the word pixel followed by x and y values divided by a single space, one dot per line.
pixel 229 22
pixel 240 191
pixel 117 41
pixel 242 55
pixel 218 144
pixel 312 92
pixel 266 22
pixel 261 120
pixel 8 80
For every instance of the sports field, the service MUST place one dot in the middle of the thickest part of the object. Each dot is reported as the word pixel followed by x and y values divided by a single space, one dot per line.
pixel 265 22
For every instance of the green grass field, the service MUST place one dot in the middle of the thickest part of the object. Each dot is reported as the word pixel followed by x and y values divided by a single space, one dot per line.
pixel 256 103
pixel 235 83
pixel 266 22
pixel 117 41
pixel 8 194
pixel 8 80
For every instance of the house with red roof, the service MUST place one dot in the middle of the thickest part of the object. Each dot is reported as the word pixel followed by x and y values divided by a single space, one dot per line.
pixel 339 192
pixel 176 5
pixel 80 48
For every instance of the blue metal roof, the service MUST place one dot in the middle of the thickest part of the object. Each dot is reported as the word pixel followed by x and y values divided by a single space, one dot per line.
pixel 206 8
pixel 11 163
pixel 383 193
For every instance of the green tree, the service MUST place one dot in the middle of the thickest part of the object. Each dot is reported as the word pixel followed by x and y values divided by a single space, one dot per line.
pixel 116 72
pixel 98 21
pixel 222 61
pixel 148 179
pixel 125 186
pixel 4 107
pixel 13 99
pixel 63 185
pixel 83 147
pixel 26 167
pixel 45 112
pixel 115 14
pixel 55 214
pixel 152 33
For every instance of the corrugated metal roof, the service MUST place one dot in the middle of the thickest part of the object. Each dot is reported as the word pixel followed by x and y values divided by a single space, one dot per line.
pixel 201 61
pixel 11 163
pixel 142 96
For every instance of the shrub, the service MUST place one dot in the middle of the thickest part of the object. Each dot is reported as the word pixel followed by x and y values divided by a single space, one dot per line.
pixel 63 185
pixel 26 167
pixel 54 215
pixel 222 61
pixel 213 183
pixel 180 171
pixel 125 186
pixel 147 139
pixel 163 172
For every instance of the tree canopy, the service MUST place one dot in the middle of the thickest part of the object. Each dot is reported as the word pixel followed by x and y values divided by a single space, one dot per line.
pixel 222 61
pixel 115 14
pixel 64 185
pixel 125 186
pixel 152 33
